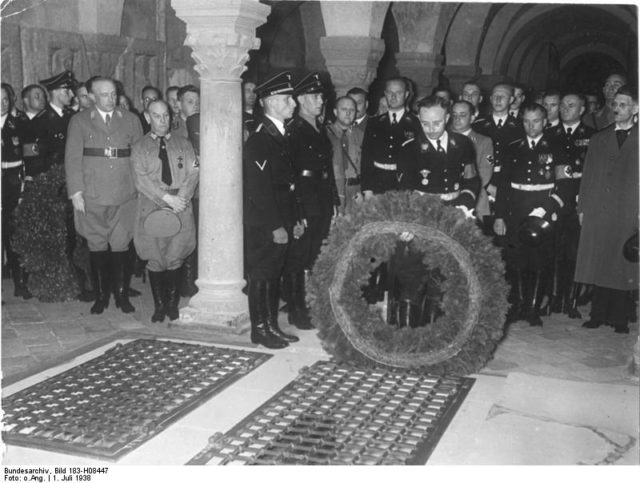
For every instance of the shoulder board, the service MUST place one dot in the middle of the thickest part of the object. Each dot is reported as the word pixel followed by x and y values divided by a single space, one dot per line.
pixel 517 142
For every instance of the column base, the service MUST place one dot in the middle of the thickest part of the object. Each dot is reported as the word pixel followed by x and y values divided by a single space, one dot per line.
pixel 216 306
pixel 193 319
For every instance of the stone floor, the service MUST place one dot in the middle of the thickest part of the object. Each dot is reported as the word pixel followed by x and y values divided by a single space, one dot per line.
pixel 552 395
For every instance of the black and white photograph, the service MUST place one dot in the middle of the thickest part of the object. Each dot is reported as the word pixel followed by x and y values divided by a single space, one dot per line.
pixel 335 233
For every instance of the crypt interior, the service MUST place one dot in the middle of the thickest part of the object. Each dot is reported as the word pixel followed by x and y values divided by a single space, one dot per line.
pixel 218 44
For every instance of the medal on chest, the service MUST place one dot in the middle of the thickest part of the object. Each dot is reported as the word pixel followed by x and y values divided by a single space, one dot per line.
pixel 425 173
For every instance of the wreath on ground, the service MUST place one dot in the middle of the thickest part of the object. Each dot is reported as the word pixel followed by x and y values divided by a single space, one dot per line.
pixel 474 304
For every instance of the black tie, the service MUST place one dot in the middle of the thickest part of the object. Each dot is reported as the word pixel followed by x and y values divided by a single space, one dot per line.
pixel 533 144
pixel 107 120
pixel 569 131
pixel 440 148
pixel 164 158
pixel 394 120
pixel 499 123
pixel 621 134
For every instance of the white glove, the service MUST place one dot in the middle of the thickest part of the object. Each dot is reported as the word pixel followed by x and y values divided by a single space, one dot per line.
pixel 539 212
pixel 467 212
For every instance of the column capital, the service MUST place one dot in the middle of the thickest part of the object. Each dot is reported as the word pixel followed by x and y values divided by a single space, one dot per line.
pixel 351 61
pixel 221 33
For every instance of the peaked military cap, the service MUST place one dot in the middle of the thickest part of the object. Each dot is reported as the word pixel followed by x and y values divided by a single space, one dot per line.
pixel 63 80
pixel 309 85
pixel 278 84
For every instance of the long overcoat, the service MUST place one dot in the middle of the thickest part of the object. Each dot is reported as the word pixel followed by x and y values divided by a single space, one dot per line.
pixel 608 200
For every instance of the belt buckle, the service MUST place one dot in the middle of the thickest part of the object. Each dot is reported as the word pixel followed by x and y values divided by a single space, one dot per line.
pixel 110 153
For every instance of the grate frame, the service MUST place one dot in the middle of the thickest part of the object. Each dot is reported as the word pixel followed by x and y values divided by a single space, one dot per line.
pixel 152 382
pixel 333 414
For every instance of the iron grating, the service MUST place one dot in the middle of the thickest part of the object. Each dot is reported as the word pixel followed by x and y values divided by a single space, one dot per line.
pixel 336 415
pixel 110 405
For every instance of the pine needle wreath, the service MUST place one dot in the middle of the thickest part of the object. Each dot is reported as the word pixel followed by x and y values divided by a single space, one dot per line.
pixel 462 340
pixel 41 238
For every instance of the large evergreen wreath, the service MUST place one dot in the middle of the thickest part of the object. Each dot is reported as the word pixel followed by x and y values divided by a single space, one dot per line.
pixel 42 237
pixel 475 303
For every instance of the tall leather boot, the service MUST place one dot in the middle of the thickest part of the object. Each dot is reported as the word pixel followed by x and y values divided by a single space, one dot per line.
pixel 298 314
pixel 572 309
pixel 584 296
pixel 188 288
pixel 99 262
pixel 157 282
pixel 516 296
pixel 20 278
pixel 172 293
pixel 121 278
pixel 557 280
pixel 272 299
pixel 258 313
pixel 533 316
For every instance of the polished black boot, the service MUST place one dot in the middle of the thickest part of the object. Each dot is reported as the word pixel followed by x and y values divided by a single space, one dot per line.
pixel 99 262
pixel 516 296
pixel 554 306
pixel 20 278
pixel 258 313
pixel 272 299
pixel 188 277
pixel 172 293
pixel 157 282
pixel 121 270
pixel 572 303
pixel 298 314
pixel 533 316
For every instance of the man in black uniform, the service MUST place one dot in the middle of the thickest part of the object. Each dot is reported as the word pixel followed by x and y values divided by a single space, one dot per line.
pixel 312 154
pixel 527 189
pixel 384 137
pixel 12 179
pixel 52 122
pixel 439 161
pixel 270 211
pixel 570 140
pixel 503 129
pixel 34 100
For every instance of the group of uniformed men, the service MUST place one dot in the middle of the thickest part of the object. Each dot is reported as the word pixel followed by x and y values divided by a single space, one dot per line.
pixel 118 174
pixel 517 169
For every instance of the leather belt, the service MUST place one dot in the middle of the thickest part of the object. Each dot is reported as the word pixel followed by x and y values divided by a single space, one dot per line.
pixel 308 173
pixel 532 187
pixel 353 181
pixel 11 164
pixel 30 149
pixel 172 191
pixel 449 196
pixel 110 153
pixel 386 167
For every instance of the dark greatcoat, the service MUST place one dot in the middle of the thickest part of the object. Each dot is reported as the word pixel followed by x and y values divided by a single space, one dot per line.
pixel 609 201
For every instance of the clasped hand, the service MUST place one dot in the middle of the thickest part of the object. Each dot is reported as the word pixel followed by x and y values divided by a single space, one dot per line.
pixel 176 203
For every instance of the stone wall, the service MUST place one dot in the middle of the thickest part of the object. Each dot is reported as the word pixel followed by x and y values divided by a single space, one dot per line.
pixel 103 37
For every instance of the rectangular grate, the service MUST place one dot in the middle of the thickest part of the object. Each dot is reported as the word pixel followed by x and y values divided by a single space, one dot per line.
pixel 110 405
pixel 336 415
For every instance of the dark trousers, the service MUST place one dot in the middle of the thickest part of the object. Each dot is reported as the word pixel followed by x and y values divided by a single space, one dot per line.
pixel 265 259
pixel 11 189
pixel 304 251
pixel 611 306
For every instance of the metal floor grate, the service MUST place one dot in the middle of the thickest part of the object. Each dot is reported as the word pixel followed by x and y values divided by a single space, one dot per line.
pixel 337 415
pixel 110 405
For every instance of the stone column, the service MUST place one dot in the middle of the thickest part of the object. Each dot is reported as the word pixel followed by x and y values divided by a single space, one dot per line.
pixel 220 33
pixel 422 68
pixel 351 61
